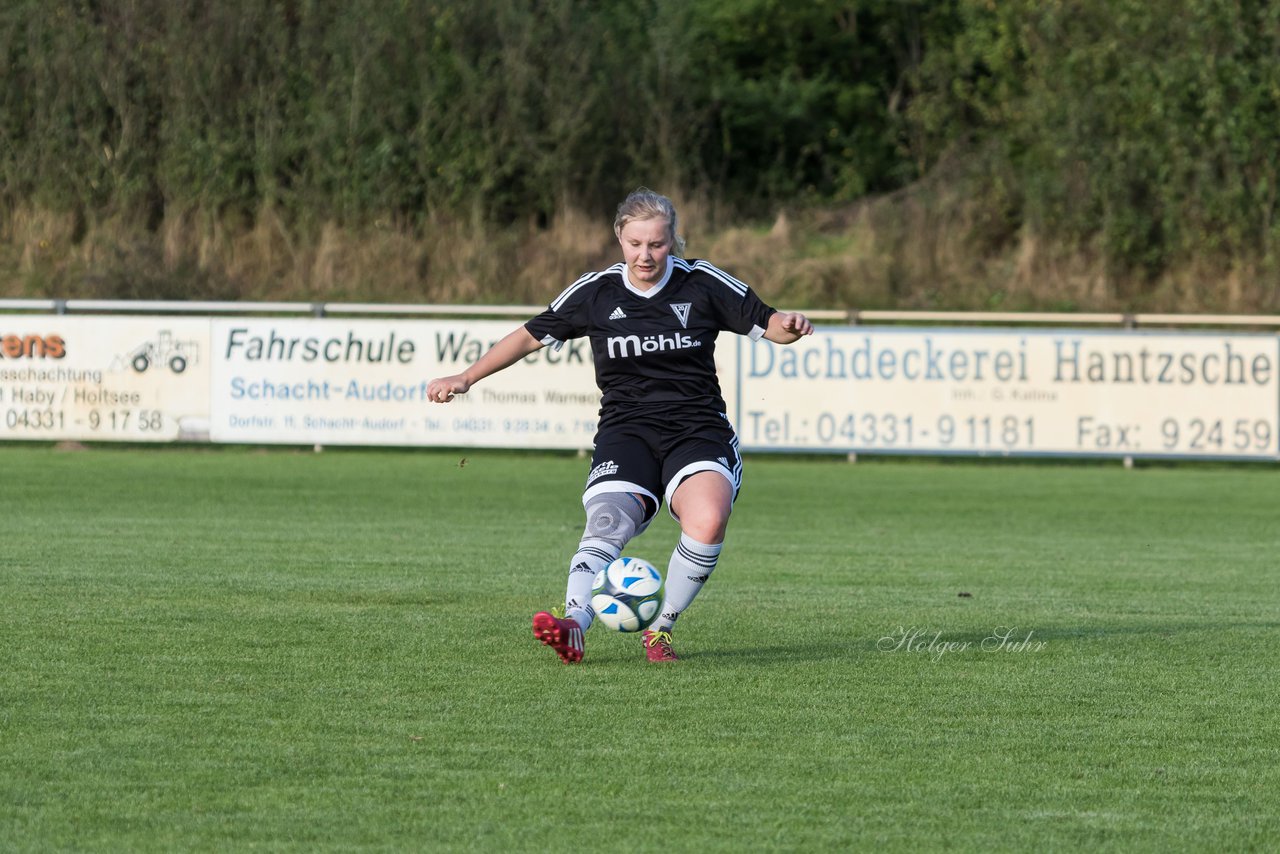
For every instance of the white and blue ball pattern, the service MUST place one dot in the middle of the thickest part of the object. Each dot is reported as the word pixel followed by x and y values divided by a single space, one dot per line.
pixel 627 594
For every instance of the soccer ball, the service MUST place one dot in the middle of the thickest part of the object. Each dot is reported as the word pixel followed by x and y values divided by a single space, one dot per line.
pixel 627 594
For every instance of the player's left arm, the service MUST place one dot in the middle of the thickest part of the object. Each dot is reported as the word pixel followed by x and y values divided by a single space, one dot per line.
pixel 741 310
pixel 786 327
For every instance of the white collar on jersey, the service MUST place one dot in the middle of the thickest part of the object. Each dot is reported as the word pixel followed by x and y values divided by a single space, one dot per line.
pixel 653 291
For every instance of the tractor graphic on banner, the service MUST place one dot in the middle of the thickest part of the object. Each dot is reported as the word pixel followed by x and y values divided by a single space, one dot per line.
pixel 164 350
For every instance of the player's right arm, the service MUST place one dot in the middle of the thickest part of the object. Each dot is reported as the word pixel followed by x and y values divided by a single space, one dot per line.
pixel 511 349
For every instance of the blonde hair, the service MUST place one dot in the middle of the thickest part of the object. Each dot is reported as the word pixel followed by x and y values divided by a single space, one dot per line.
pixel 643 203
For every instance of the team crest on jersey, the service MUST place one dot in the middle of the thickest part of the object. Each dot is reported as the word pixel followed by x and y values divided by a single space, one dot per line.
pixel 682 312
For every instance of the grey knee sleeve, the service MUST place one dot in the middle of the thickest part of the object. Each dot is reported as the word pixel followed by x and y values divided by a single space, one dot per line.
pixel 614 517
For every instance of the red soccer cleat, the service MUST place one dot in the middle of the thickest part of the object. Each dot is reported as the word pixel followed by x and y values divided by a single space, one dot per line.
pixel 564 636
pixel 657 646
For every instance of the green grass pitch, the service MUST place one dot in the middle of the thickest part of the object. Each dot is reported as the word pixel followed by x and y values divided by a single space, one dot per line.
pixel 235 649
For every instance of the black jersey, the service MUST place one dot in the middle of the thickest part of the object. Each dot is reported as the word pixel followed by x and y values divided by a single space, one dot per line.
pixel 654 350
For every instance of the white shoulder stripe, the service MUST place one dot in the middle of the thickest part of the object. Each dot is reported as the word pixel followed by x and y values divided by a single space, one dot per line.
pixel 582 281
pixel 715 272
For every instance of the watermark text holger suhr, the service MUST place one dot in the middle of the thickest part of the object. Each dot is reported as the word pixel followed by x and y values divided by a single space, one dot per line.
pixel 930 642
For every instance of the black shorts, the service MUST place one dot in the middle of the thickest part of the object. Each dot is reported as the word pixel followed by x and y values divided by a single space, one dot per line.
pixel 652 457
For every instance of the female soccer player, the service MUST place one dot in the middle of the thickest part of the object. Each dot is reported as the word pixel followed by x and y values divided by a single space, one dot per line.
pixel 663 433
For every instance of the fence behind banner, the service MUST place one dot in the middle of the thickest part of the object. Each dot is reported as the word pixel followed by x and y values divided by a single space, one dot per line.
pixel 868 382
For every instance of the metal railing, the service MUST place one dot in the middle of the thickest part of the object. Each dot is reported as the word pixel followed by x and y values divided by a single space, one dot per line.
pixel 851 317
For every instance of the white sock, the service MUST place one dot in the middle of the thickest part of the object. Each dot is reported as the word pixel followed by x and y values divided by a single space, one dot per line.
pixel 592 556
pixel 691 565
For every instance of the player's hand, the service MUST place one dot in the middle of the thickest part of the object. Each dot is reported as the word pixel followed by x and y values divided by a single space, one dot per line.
pixel 443 389
pixel 796 323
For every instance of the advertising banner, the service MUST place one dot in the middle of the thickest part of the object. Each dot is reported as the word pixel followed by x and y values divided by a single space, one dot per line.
pixel 1013 392
pixel 129 379
pixel 896 390
pixel 364 382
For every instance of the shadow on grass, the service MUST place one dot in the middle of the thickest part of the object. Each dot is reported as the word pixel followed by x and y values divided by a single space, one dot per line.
pixel 772 654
